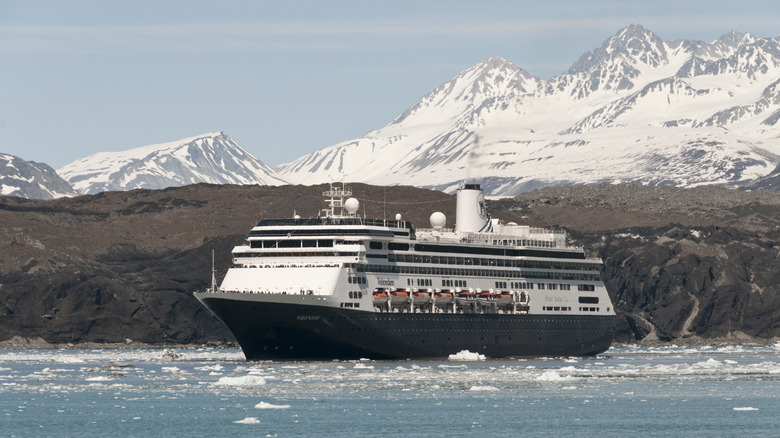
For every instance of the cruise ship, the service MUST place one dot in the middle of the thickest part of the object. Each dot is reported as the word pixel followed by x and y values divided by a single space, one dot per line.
pixel 341 286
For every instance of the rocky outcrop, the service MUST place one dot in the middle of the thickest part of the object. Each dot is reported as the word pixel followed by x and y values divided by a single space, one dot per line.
pixel 120 267
pixel 679 263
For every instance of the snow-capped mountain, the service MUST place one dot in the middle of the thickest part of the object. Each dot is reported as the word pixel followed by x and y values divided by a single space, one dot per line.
pixel 637 109
pixel 28 179
pixel 211 158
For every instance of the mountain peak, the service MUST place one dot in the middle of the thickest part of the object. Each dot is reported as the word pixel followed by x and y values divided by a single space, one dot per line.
pixel 28 179
pixel 493 61
pixel 633 31
pixel 213 158
pixel 623 112
pixel 484 81
pixel 633 44
pixel 735 38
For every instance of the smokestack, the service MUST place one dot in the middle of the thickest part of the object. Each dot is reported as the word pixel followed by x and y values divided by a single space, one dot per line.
pixel 471 215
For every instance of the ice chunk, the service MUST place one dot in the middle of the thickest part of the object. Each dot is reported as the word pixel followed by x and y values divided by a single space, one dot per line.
pixel 483 388
pixel 264 405
pixel 465 355
pixel 248 420
pixel 552 376
pixel 240 381
pixel 98 379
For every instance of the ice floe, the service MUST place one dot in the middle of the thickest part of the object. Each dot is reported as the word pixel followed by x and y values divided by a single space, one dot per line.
pixel 240 381
pixel 264 405
pixel 466 356
pixel 483 388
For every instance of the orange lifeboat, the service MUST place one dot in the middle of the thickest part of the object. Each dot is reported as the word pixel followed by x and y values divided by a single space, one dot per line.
pixel 380 297
pixel 421 296
pixel 399 296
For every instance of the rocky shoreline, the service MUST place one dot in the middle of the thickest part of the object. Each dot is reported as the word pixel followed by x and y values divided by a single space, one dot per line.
pixel 20 343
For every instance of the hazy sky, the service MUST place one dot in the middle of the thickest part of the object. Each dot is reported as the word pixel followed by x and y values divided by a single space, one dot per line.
pixel 286 78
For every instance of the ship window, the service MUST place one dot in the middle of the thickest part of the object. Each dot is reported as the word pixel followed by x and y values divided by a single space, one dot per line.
pixel 269 244
pixel 589 300
pixel 325 243
pixel 541 285
pixel 309 243
pixel 375 245
pixel 586 287
pixel 398 246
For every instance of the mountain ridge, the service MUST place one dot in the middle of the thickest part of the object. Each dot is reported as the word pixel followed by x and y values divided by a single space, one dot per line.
pixel 635 109
pixel 210 158
pixel 628 106
pixel 29 179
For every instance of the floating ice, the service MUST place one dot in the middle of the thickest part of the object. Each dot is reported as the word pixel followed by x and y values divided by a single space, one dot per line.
pixel 98 379
pixel 248 420
pixel 552 376
pixel 264 405
pixel 216 367
pixel 240 381
pixel 746 408
pixel 362 366
pixel 483 388
pixel 709 363
pixel 465 355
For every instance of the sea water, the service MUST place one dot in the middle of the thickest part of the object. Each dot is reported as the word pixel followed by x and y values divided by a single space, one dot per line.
pixel 627 391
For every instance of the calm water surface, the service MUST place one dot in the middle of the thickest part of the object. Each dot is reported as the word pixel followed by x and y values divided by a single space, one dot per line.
pixel 671 391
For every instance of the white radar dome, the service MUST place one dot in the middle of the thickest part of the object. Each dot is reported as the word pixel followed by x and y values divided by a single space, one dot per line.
pixel 398 217
pixel 438 220
pixel 351 205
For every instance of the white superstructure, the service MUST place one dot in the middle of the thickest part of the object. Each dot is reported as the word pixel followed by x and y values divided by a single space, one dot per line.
pixel 480 266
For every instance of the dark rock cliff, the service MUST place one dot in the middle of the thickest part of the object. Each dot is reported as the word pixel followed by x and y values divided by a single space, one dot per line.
pixel 117 266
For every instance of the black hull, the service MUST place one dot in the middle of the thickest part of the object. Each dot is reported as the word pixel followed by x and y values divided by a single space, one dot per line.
pixel 268 330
